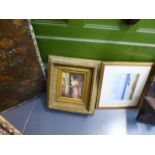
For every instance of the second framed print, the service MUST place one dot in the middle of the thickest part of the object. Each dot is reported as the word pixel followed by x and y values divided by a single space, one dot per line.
pixel 72 84
pixel 122 84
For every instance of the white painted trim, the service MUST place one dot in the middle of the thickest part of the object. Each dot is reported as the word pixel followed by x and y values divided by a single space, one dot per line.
pixel 146 30
pixel 95 41
pixel 63 24
pixel 105 27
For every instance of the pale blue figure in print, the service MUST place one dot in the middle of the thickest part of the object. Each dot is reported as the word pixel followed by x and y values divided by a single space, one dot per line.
pixel 123 86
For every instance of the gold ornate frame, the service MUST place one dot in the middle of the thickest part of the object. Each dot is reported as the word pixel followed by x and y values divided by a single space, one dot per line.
pixel 10 129
pixel 89 69
pixel 104 63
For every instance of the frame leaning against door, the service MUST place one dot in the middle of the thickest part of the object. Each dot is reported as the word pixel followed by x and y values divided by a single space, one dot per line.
pixel 72 84
pixel 122 84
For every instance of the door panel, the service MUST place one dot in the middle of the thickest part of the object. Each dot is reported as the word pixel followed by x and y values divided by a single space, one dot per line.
pixel 102 39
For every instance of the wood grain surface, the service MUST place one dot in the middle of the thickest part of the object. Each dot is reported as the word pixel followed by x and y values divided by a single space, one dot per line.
pixel 21 72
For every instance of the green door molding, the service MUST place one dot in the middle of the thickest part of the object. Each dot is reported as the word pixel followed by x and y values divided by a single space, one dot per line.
pixel 101 39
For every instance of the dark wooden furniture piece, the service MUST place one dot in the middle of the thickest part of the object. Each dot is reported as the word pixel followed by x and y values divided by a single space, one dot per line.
pixel 21 72
pixel 147 111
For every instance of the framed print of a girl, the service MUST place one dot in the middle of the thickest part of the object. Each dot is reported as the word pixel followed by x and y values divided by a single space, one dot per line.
pixel 72 85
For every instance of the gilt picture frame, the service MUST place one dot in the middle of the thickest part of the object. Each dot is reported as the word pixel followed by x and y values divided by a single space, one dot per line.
pixel 6 128
pixel 72 84
pixel 123 84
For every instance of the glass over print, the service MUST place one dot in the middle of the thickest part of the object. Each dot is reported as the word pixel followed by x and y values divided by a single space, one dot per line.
pixel 72 85
pixel 123 85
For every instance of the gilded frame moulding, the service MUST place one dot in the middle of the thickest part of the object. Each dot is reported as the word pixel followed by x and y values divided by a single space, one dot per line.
pixel 78 68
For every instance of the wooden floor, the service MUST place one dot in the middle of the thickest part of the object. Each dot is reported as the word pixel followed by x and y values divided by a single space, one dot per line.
pixel 33 118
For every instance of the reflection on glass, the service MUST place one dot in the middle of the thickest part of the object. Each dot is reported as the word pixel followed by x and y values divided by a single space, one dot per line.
pixel 123 86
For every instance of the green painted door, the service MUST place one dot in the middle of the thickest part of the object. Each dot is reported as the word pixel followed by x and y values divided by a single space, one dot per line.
pixel 101 39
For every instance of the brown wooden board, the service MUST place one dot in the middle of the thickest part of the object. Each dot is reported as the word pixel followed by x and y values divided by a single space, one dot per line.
pixel 21 72
pixel 147 110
